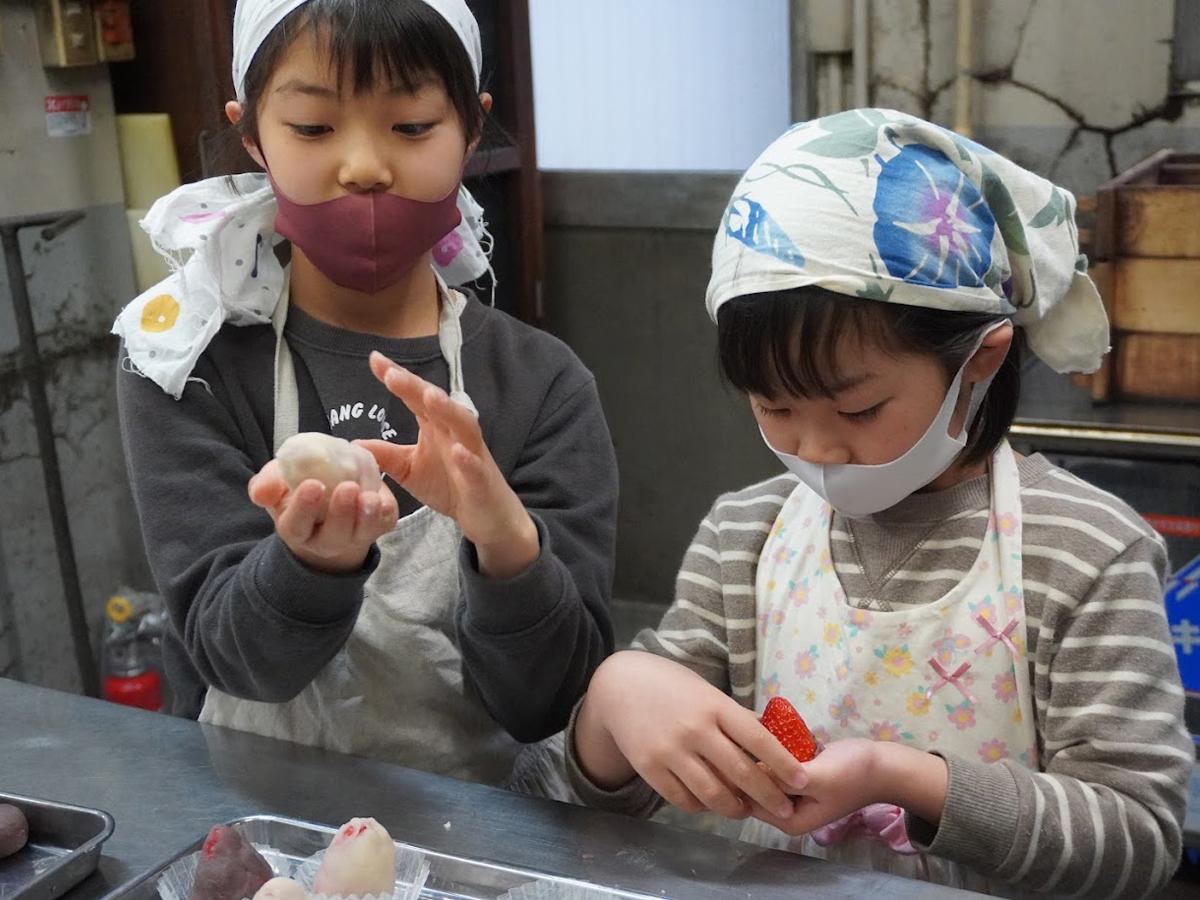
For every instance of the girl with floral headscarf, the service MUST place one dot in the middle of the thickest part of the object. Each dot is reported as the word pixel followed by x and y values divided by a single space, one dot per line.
pixel 977 639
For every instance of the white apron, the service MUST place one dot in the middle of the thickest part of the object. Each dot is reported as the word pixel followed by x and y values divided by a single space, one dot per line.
pixel 395 690
pixel 950 676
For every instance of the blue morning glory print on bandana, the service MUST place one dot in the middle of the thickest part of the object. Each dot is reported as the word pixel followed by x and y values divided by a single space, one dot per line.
pixel 932 225
pixel 749 222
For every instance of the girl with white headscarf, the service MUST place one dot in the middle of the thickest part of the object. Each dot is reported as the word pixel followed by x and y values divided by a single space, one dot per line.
pixel 460 609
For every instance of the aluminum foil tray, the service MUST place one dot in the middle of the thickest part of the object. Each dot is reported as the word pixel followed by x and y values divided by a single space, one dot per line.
pixel 450 877
pixel 63 849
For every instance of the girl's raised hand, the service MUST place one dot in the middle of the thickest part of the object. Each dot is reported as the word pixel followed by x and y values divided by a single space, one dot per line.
pixel 338 543
pixel 696 746
pixel 450 469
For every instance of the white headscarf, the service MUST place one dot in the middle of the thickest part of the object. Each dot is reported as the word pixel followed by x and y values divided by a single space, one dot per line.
pixel 219 240
pixel 254 20
pixel 881 205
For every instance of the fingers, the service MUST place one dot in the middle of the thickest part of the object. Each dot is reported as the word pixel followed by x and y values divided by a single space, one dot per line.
pixel 380 365
pixel 336 531
pixel 267 489
pixel 809 815
pixel 748 733
pixel 339 532
pixel 428 402
pixel 368 514
pixel 455 418
pixel 786 789
pixel 389 508
pixel 298 520
pixel 402 383
pixel 707 787
pixel 395 460
pixel 377 515
pixel 758 811
pixel 691 781
pixel 671 789
pixel 743 773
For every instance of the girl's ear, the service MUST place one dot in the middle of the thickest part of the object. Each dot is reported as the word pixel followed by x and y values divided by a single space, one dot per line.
pixel 485 101
pixel 235 112
pixel 990 355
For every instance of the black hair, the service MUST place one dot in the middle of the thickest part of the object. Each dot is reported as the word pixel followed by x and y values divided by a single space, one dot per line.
pixel 399 42
pixel 790 340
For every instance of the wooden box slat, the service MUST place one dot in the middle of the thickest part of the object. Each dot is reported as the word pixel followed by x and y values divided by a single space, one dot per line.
pixel 1156 295
pixel 1158 367
pixel 1159 221
pixel 1147 267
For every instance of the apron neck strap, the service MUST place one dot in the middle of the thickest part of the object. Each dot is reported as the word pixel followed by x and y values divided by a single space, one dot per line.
pixel 287 396
pixel 450 339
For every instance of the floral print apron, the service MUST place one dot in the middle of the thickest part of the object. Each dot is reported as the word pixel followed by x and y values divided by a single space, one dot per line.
pixel 950 676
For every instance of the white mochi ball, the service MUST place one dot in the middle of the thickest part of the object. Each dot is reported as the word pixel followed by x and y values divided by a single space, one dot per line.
pixel 328 459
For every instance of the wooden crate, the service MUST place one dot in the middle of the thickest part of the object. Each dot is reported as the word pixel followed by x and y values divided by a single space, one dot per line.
pixel 1146 263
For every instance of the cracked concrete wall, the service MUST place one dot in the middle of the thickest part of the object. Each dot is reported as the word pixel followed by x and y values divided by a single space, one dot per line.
pixel 77 283
pixel 1076 90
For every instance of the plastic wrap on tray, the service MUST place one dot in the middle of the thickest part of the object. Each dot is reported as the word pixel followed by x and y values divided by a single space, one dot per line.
pixel 409 869
pixel 551 890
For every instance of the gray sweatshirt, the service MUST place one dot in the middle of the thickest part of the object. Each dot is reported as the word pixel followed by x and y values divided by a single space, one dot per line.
pixel 249 618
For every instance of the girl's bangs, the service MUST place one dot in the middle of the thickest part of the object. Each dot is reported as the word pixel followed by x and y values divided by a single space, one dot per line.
pixel 793 342
pixel 394 44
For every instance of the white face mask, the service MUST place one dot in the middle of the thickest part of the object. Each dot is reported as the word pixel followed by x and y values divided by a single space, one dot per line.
pixel 857 491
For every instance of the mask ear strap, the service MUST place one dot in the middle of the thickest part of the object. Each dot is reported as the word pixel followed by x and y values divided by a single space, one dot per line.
pixel 263 154
pixel 983 336
pixel 980 388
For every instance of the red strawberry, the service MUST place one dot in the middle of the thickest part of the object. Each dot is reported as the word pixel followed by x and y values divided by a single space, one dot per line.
pixel 781 719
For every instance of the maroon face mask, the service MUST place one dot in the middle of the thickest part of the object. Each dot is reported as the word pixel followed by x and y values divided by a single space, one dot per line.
pixel 366 242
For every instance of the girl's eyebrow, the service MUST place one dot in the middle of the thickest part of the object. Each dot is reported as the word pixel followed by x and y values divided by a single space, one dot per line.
pixel 849 382
pixel 297 86
pixel 425 81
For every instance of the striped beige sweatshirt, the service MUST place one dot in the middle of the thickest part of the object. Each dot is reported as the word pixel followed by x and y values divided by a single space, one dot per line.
pixel 1103 816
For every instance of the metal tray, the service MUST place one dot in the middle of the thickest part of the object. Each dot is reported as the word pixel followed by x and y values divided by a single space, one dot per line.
pixel 63 849
pixel 450 877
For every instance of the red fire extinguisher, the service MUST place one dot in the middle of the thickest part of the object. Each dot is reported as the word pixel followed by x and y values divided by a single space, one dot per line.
pixel 130 677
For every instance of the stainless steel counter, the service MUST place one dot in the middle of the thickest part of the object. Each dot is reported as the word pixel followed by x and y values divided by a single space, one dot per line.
pixel 166 781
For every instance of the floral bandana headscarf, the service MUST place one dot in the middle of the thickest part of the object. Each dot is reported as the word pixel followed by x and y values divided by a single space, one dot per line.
pixel 880 205
pixel 220 239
